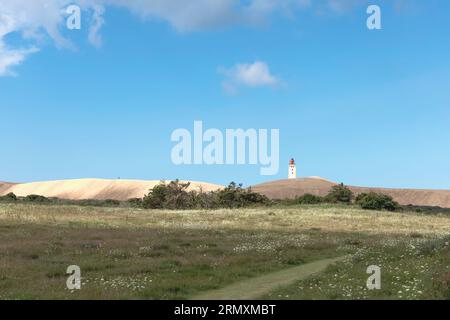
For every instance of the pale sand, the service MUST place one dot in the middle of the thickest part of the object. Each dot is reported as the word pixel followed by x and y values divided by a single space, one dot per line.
pixel 99 189
pixel 126 189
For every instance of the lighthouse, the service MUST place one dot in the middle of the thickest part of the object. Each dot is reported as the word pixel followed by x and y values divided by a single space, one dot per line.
pixel 292 174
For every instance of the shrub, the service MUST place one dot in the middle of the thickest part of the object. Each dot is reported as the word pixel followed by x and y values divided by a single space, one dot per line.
pixel 174 195
pixel 230 197
pixel 252 198
pixel 10 197
pixel 204 200
pixel 36 198
pixel 339 193
pixel 135 202
pixel 111 203
pixel 86 202
pixel 168 196
pixel 234 196
pixel 308 199
pixel 376 201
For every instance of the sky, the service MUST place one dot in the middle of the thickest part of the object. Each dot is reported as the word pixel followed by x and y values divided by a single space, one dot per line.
pixel 353 105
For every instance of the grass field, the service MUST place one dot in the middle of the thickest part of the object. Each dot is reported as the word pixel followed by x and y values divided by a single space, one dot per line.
pixel 151 254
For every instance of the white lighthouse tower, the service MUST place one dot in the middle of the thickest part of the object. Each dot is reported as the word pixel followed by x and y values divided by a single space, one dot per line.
pixel 292 170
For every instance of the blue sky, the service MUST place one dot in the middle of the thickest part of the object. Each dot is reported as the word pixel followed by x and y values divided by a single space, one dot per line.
pixel 363 107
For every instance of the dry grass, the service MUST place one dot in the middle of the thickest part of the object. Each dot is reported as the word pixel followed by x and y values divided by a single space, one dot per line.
pixel 324 218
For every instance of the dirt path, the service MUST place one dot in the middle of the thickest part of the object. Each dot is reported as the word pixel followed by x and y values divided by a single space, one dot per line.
pixel 256 287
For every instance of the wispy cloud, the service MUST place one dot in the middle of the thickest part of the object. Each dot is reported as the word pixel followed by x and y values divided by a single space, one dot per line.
pixel 253 75
pixel 12 57
pixel 36 19
pixel 30 19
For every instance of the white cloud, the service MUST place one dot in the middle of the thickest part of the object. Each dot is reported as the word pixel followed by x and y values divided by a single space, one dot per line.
pixel 12 57
pixel 253 75
pixel 35 20
pixel 195 15
pixel 30 19
pixel 184 15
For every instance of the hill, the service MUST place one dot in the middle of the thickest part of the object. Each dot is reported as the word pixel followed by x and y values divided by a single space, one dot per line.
pixel 5 186
pixel 99 189
pixel 288 189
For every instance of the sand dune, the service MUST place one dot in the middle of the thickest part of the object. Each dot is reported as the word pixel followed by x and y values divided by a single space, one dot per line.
pixel 99 189
pixel 288 189
pixel 282 189
pixel 119 189
pixel 5 186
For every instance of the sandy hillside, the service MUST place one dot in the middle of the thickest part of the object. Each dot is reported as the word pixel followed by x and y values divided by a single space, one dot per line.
pixel 99 189
pixel 5 186
pixel 281 189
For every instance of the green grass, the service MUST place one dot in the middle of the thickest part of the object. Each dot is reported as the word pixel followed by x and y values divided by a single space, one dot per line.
pixel 411 269
pixel 143 264
pixel 127 253
pixel 258 286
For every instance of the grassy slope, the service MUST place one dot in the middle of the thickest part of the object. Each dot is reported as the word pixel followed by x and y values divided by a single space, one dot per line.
pixel 132 253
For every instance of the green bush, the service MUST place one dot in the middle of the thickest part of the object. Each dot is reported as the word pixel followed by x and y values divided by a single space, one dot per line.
pixel 174 195
pixel 339 194
pixel 234 196
pixel 10 197
pixel 376 201
pixel 204 200
pixel 309 199
pixel 36 198
pixel 111 203
pixel 89 202
pixel 135 202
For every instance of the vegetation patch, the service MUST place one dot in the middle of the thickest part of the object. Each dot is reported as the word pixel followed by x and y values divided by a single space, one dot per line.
pixel 134 253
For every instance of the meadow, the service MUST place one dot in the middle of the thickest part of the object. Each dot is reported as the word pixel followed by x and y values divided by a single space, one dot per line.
pixel 132 253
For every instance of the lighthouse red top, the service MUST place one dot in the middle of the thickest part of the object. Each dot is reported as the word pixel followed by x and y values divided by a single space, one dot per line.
pixel 292 162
